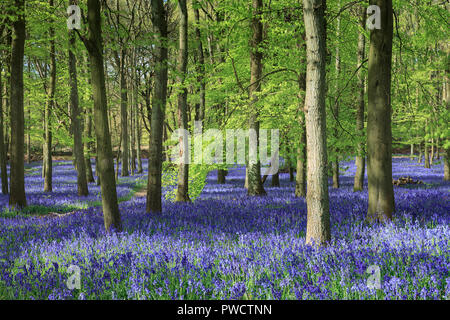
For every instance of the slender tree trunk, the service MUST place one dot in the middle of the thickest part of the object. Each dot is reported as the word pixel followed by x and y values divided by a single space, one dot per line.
pixel 411 156
pixel 221 174
pixel 29 136
pixel 88 150
pixel 200 112
pixel 360 160
pixel 246 177
pixel 419 159
pixel 77 137
pixel 318 214
pixel 379 134
pixel 291 173
pixel 335 162
pixel 255 186
pixel 133 107
pixel 446 98
pixel 17 171
pixel 124 114
pixel 138 140
pixel 183 168
pixel 275 180
pixel 158 16
pixel 48 172
pixel 3 154
pixel 432 151
pixel 105 165
pixel 425 150
pixel 300 179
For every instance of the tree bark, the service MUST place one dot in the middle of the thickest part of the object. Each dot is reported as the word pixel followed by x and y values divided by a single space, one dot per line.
pixel 124 114
pixel 17 171
pixel 335 162
pixel 300 179
pixel 200 110
pixel 77 137
pixel 158 17
pixel 3 153
pixel 105 165
pixel 318 215
pixel 183 168
pixel 48 171
pixel 360 160
pixel 255 186
pixel 275 180
pixel 379 133
pixel 446 98
pixel 425 150
pixel 88 147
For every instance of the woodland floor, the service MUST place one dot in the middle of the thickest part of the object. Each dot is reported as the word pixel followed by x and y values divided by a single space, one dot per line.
pixel 225 245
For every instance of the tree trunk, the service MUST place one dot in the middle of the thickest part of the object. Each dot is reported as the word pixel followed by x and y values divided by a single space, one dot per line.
pixel 246 177
pixel 379 134
pixel 138 141
pixel 105 165
pixel 255 186
pixel 158 16
pixel 335 162
pixel 360 160
pixel 48 171
pixel 446 98
pixel 88 146
pixel 300 179
pixel 183 168
pixel 17 172
pixel 411 156
pixel 419 159
pixel 275 180
pixel 77 137
pixel 318 214
pixel 133 116
pixel 124 114
pixel 425 150
pixel 221 176
pixel 200 111
pixel 3 154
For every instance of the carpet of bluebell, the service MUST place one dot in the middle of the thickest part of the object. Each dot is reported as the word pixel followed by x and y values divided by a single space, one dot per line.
pixel 226 245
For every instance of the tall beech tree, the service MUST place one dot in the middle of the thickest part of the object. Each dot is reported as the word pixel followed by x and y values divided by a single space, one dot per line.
pixel 318 213
pixel 300 179
pixel 183 170
pixel 158 17
pixel 105 165
pixel 255 186
pixel 3 153
pixel 336 105
pixel 47 149
pixel 75 113
pixel 17 171
pixel 360 160
pixel 379 133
